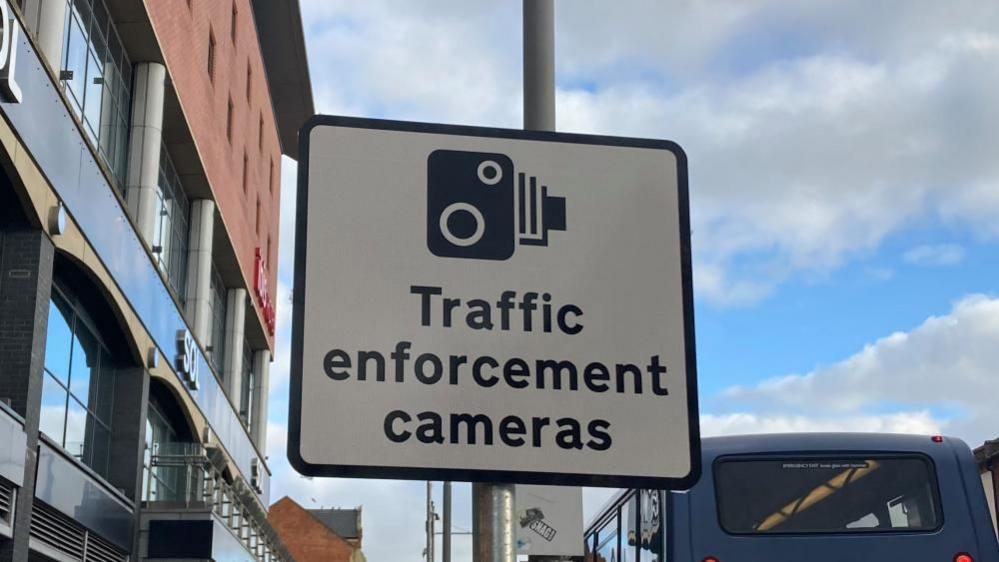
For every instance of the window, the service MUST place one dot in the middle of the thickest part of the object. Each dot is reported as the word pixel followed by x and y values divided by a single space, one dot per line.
pixel 247 389
pixel 249 81
pixel 257 219
pixel 232 22
pixel 270 178
pixel 211 55
pixel 270 258
pixel 161 481
pixel 216 344
pixel 607 542
pixel 260 133
pixel 171 229
pixel 228 120
pixel 246 167
pixel 831 495
pixel 97 80
pixel 629 535
pixel 78 384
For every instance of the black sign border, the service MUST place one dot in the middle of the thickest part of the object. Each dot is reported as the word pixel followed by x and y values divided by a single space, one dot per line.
pixel 483 475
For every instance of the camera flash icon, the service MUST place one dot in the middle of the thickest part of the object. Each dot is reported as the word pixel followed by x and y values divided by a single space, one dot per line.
pixel 479 207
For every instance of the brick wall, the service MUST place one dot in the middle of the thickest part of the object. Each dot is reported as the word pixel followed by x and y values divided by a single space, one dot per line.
pixel 26 261
pixel 307 539
pixel 183 28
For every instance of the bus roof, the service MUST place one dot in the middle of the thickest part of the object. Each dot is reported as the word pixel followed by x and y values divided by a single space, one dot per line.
pixel 713 447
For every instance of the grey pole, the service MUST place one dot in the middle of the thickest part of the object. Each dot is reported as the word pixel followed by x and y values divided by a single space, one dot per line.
pixel 429 552
pixel 494 535
pixel 539 65
pixel 492 523
pixel 446 536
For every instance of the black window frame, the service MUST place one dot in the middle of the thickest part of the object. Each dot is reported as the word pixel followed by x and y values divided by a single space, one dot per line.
pixel 81 318
pixel 104 54
pixel 218 299
pixel 592 540
pixel 171 248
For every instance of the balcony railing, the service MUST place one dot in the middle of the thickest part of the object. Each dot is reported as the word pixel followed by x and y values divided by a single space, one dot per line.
pixel 184 476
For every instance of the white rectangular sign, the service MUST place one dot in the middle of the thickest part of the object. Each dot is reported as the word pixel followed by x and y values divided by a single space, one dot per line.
pixel 492 305
pixel 549 520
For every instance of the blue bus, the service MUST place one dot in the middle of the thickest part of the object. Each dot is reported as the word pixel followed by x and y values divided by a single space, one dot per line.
pixel 808 497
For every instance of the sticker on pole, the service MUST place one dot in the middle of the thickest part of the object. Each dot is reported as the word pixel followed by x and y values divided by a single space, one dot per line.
pixel 492 305
pixel 549 520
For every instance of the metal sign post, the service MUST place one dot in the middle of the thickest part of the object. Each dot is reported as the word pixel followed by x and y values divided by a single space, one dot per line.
pixel 495 536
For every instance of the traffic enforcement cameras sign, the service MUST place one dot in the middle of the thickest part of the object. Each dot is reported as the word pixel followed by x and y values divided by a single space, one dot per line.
pixel 492 305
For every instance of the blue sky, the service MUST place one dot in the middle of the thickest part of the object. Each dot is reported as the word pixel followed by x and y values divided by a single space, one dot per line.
pixel 845 195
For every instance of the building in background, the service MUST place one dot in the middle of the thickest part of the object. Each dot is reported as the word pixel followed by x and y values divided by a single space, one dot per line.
pixel 318 535
pixel 140 157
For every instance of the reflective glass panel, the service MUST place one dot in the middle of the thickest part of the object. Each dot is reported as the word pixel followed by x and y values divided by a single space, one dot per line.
pixel 98 446
pixel 53 415
pixel 101 20
pixel 109 119
pixel 834 495
pixel 102 397
pixel 147 457
pixel 85 360
pixel 218 304
pixel 77 414
pixel 249 381
pixel 76 63
pixel 76 430
pixel 607 549
pixel 97 75
pixel 629 512
pixel 59 338
pixel 94 96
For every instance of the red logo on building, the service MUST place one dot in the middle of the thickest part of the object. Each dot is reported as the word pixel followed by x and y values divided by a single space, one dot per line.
pixel 263 293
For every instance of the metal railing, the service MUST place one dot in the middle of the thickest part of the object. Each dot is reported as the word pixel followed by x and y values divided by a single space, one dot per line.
pixel 183 476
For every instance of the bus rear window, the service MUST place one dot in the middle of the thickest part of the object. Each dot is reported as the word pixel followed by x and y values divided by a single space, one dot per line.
pixel 834 495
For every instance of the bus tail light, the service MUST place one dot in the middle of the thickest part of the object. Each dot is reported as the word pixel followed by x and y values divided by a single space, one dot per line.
pixel 713 559
pixel 939 439
pixel 963 557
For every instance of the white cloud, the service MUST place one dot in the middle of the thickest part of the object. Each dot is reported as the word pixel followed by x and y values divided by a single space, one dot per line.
pixel 934 255
pixel 744 423
pixel 801 157
pixel 810 162
pixel 940 375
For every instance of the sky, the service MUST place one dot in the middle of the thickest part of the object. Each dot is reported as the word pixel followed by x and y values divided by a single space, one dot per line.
pixel 844 196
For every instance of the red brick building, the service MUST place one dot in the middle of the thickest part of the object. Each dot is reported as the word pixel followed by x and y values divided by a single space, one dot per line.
pixel 140 154
pixel 224 96
pixel 314 535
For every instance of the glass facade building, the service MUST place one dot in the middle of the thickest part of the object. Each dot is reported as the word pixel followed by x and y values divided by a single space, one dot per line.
pixel 97 76
pixel 78 387
pixel 216 337
pixel 123 236
pixel 172 226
